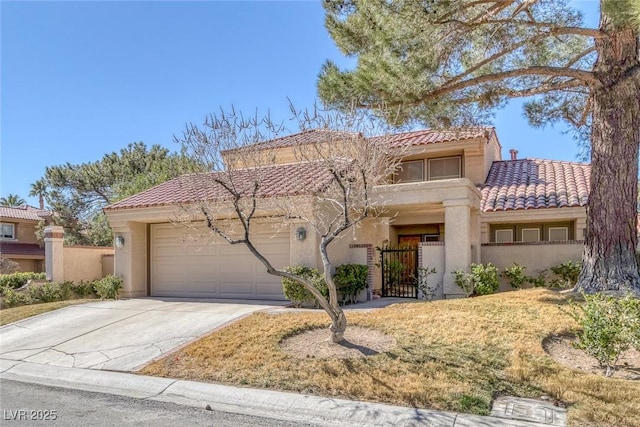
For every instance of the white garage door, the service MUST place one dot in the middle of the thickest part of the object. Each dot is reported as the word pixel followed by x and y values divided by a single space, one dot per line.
pixel 181 267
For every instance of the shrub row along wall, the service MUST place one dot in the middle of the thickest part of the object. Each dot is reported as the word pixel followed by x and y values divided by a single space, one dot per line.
pixel 535 256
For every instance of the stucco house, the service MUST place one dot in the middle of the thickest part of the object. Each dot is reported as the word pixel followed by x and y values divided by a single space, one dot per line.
pixel 18 241
pixel 454 202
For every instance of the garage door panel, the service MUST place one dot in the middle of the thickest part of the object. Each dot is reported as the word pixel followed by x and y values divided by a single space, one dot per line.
pixel 269 291
pixel 213 267
pixel 233 289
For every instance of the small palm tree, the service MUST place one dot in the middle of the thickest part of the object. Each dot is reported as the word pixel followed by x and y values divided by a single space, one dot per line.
pixel 12 201
pixel 39 188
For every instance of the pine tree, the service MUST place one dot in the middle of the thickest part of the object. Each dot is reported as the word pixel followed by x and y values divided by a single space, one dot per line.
pixel 446 62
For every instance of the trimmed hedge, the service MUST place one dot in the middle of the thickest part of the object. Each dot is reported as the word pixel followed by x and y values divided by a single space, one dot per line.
pixel 350 279
pixel 296 292
pixel 17 280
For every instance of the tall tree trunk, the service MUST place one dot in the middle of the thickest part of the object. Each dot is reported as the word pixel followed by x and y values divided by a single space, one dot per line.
pixel 338 320
pixel 609 261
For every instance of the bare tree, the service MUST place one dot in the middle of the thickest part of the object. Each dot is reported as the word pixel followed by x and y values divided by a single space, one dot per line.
pixel 328 186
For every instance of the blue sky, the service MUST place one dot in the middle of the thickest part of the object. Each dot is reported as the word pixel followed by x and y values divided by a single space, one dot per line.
pixel 80 79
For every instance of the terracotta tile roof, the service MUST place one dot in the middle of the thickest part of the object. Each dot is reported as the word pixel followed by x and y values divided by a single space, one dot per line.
pixel 277 180
pixel 23 212
pixel 311 136
pixel 535 183
pixel 33 249
pixel 431 136
pixel 420 137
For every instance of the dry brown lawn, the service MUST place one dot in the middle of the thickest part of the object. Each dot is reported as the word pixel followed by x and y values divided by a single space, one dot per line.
pixel 10 315
pixel 455 355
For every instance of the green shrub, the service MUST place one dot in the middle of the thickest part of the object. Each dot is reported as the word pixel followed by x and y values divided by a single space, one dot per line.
pixel 630 313
pixel 17 280
pixel 485 277
pixel 47 292
pixel 428 290
pixel 517 278
pixel 567 274
pixel 66 292
pixel 481 280
pixel 83 289
pixel 13 298
pixel 296 292
pixel 515 275
pixel 609 327
pixel 464 281
pixel 108 287
pixel 540 281
pixel 350 279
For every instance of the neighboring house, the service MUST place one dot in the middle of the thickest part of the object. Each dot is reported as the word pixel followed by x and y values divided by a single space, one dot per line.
pixel 18 241
pixel 454 200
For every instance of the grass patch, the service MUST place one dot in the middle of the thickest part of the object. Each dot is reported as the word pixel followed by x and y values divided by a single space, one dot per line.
pixel 10 315
pixel 455 355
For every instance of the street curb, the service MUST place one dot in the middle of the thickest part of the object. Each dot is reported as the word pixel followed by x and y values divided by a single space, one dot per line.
pixel 263 403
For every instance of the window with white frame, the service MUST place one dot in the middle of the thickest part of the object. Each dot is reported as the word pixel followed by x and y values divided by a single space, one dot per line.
pixel 504 236
pixel 530 234
pixel 558 234
pixel 410 171
pixel 445 168
pixel 8 231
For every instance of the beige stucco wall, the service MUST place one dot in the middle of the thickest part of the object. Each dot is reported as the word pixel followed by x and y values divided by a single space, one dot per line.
pixel 284 155
pixel 373 231
pixel 131 259
pixel 25 230
pixel 29 265
pixel 535 257
pixel 108 261
pixel 492 153
pixel 84 262
pixel 304 252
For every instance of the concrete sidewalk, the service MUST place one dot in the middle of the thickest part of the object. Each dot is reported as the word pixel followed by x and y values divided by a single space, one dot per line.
pixel 322 411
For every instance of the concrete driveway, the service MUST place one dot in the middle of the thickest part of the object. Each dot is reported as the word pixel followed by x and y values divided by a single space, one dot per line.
pixel 118 335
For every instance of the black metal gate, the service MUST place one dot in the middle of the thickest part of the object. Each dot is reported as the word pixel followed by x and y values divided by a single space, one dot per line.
pixel 399 272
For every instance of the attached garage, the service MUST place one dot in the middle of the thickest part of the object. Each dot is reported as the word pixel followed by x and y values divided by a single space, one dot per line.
pixel 183 267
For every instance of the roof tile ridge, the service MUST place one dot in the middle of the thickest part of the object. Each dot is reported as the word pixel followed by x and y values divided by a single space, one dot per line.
pixel 570 162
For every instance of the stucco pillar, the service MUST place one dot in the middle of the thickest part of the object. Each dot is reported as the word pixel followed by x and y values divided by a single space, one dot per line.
pixel 130 261
pixel 475 235
pixel 54 253
pixel 457 243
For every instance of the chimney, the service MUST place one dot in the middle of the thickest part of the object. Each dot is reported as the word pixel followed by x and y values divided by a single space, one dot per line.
pixel 514 154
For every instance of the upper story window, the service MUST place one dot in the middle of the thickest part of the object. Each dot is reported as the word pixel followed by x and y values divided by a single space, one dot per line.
pixel 442 168
pixel 532 232
pixel 7 231
pixel 445 168
pixel 410 171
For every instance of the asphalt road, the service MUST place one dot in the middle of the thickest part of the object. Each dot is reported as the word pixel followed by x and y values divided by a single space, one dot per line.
pixel 23 404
